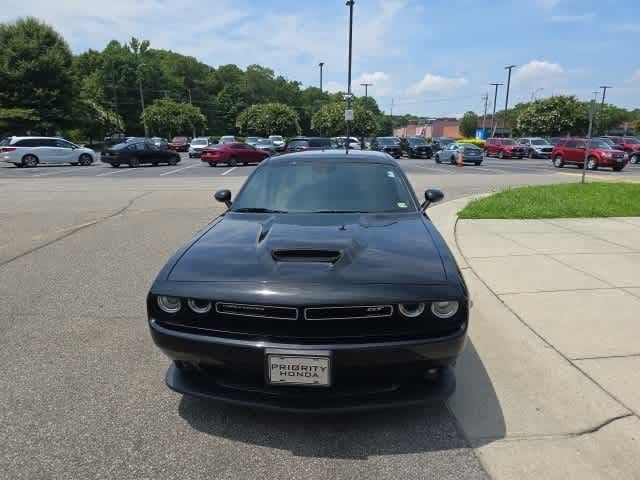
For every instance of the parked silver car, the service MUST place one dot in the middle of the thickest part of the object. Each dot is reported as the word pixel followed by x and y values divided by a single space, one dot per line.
pixel 266 145
pixel 536 147
pixel 31 151
pixel 197 145
pixel 278 142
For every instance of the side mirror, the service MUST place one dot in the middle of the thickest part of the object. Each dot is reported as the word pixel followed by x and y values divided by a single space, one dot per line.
pixel 223 196
pixel 431 196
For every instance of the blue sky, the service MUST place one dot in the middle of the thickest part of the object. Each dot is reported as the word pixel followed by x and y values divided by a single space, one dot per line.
pixel 433 57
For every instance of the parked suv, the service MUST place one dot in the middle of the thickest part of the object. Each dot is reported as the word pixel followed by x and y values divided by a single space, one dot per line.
pixel 416 147
pixel 390 145
pixel 179 144
pixel 504 148
pixel 31 151
pixel 300 144
pixel 197 145
pixel 536 147
pixel 631 145
pixel 572 151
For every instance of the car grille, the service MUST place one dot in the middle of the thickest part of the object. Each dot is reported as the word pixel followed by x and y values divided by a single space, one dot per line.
pixel 546 149
pixel 310 324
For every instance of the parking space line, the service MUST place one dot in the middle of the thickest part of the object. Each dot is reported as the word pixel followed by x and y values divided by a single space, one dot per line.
pixel 56 172
pixel 179 169
pixel 228 171
pixel 117 171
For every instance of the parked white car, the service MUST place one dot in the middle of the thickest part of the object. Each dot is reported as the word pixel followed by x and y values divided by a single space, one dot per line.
pixel 32 151
pixel 278 142
pixel 197 145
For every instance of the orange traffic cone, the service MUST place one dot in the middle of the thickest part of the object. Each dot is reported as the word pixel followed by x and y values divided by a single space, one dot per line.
pixel 460 160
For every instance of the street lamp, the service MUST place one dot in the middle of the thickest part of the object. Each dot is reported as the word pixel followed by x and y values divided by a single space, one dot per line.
pixel 348 114
pixel 144 122
pixel 366 88
pixel 604 93
pixel 321 65
pixel 506 100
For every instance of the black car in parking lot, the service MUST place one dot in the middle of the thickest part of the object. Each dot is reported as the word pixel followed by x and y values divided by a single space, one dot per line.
pixel 390 145
pixel 323 287
pixel 417 147
pixel 138 152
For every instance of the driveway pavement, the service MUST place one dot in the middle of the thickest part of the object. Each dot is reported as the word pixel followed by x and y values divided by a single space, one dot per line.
pixel 555 327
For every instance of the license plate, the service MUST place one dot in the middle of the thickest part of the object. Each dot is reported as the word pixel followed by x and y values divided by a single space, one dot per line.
pixel 304 369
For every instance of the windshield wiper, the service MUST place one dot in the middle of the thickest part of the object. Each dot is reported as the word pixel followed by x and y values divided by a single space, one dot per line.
pixel 257 210
pixel 339 211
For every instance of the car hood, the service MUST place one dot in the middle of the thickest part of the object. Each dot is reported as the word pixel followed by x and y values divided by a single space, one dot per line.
pixel 370 249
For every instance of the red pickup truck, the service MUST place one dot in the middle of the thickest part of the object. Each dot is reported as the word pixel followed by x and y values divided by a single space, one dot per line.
pixel 572 151
pixel 504 148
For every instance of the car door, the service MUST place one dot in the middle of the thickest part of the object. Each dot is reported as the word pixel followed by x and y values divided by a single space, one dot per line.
pixel 65 152
pixel 572 152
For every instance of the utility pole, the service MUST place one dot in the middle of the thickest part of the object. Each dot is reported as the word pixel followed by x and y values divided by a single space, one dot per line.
pixel 506 100
pixel 495 100
pixel 485 97
pixel 348 115
pixel 366 88
pixel 604 93
pixel 321 65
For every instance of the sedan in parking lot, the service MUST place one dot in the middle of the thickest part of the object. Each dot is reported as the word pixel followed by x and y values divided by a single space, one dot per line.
pixel 232 154
pixel 301 144
pixel 572 151
pixel 470 154
pixel 278 142
pixel 32 151
pixel 179 144
pixel 138 153
pixel 323 288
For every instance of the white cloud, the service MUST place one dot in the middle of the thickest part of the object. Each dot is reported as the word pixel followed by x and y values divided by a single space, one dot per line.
pixel 538 71
pixel 582 18
pixel 334 87
pixel 436 83
pixel 381 83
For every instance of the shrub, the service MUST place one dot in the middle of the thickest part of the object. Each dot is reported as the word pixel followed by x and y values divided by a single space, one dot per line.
pixel 474 141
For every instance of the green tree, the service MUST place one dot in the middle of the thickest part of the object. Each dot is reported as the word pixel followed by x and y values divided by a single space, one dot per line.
pixel 268 119
pixel 554 116
pixel 167 117
pixel 36 89
pixel 468 124
pixel 330 120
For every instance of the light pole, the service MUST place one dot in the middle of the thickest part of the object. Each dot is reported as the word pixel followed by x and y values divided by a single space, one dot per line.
pixel 321 65
pixel 348 115
pixel 604 93
pixel 485 97
pixel 506 99
pixel 495 99
pixel 144 122
pixel 366 88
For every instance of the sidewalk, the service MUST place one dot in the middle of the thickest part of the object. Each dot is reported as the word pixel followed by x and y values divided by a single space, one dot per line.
pixel 548 384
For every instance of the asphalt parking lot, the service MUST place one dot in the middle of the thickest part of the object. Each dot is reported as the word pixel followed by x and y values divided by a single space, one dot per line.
pixel 83 391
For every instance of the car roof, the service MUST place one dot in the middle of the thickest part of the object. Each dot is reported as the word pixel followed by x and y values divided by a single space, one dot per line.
pixel 36 138
pixel 335 155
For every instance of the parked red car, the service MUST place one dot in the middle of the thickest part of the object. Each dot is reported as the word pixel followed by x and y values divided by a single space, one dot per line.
pixel 631 145
pixel 504 148
pixel 178 144
pixel 571 151
pixel 232 154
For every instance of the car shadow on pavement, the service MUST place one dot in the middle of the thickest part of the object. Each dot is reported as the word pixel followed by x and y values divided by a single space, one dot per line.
pixel 355 435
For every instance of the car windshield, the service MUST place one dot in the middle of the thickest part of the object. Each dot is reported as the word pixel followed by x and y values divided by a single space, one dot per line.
pixel 325 187
pixel 468 147
pixel 252 139
pixel 320 143
pixel 508 141
pixel 121 146
pixel 388 141
pixel 199 141
pixel 265 142
pixel 417 141
pixel 539 141
pixel 600 144
pixel 179 139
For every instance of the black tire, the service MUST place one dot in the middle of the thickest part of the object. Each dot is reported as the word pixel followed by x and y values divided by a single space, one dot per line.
pixel 85 160
pixel 174 160
pixel 134 162
pixel 592 163
pixel 452 160
pixel 558 161
pixel 531 155
pixel 213 164
pixel 478 164
pixel 115 164
pixel 635 158
pixel 618 168
pixel 437 158
pixel 233 161
pixel 30 160
pixel 19 165
pixel 190 156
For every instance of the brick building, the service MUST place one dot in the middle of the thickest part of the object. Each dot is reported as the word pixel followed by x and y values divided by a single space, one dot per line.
pixel 436 127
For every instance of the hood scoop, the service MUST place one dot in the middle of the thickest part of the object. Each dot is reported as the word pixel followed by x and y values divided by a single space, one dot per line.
pixel 306 255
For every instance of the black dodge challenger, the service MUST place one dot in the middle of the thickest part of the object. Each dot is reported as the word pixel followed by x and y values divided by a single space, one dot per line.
pixel 324 287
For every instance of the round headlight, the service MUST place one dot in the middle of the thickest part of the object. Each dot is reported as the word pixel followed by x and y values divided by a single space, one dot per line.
pixel 199 306
pixel 411 310
pixel 169 304
pixel 444 309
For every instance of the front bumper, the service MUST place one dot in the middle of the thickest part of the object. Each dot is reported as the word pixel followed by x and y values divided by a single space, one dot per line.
pixel 364 375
